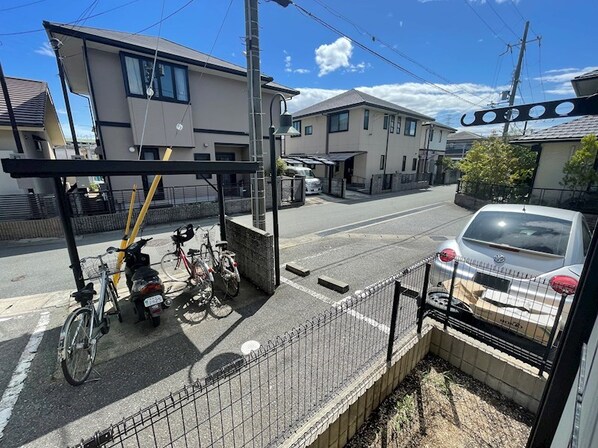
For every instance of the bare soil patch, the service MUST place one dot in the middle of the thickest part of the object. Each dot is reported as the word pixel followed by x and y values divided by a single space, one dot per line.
pixel 437 405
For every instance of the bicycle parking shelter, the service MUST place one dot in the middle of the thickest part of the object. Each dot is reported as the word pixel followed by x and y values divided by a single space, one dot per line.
pixel 59 169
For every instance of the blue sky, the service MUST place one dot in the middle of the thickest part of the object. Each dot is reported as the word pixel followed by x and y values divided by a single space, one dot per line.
pixel 454 44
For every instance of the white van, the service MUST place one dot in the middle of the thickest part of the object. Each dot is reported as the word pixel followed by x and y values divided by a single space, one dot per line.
pixel 312 183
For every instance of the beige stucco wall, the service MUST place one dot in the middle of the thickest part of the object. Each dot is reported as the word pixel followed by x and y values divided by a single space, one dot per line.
pixel 550 168
pixel 218 103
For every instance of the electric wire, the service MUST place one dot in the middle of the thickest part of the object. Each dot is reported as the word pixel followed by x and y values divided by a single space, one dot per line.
pixel 149 90
pixel 501 19
pixel 176 11
pixel 74 22
pixel 24 5
pixel 377 54
pixel 494 33
pixel 205 64
pixel 377 39
pixel 540 68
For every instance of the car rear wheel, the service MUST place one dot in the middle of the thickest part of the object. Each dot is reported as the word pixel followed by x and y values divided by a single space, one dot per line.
pixel 438 299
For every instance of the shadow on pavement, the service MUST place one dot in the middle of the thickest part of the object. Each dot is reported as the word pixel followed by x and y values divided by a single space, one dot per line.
pixel 49 401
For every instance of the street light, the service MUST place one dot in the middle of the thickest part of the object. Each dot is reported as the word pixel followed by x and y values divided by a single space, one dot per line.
pixel 285 128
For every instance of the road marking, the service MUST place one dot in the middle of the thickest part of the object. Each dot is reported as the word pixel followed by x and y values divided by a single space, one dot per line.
pixel 17 381
pixel 397 217
pixel 383 328
pixel 376 220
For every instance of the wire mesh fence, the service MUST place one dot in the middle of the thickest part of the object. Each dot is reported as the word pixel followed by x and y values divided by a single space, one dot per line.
pixel 265 396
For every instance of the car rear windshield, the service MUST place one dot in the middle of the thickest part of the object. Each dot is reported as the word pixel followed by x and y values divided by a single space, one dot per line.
pixel 521 230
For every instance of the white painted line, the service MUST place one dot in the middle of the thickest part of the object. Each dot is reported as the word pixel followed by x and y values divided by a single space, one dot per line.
pixel 17 381
pixel 383 216
pixel 383 328
pixel 397 217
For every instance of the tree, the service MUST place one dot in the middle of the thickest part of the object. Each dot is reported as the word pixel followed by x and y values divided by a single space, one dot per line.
pixel 281 166
pixel 579 172
pixel 492 161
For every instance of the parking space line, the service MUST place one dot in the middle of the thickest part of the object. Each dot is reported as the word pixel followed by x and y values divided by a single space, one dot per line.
pixel 397 217
pixel 383 328
pixel 17 381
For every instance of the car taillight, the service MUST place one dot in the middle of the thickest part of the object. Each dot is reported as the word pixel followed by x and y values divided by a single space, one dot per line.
pixel 447 255
pixel 563 284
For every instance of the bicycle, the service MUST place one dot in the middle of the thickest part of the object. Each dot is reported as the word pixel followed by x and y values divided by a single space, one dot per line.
pixel 83 328
pixel 222 261
pixel 176 266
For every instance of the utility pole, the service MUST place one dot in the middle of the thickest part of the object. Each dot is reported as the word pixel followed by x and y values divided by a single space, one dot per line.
pixel 256 137
pixel 513 93
pixel 11 113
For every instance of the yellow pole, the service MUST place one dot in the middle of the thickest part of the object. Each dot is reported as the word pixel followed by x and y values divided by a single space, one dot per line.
pixel 123 242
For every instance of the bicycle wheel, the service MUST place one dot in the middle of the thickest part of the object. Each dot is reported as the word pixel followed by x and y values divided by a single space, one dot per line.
pixel 172 267
pixel 114 300
pixel 77 348
pixel 201 279
pixel 230 275
pixel 204 254
pixel 218 308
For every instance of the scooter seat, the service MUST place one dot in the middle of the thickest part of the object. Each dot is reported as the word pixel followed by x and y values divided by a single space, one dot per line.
pixel 145 272
pixel 84 295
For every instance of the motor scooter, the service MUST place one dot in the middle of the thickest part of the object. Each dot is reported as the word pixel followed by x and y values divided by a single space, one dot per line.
pixel 145 287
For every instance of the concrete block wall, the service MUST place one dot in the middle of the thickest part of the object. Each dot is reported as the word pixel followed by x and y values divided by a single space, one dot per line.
pixel 469 202
pixel 510 377
pixel 51 228
pixel 254 251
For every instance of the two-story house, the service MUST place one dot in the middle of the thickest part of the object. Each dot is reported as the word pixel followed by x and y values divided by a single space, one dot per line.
pixel 362 134
pixel 459 143
pixel 198 105
pixel 38 127
pixel 433 146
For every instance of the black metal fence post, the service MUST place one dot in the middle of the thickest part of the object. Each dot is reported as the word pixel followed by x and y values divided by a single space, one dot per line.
pixel 450 297
pixel 422 301
pixel 553 332
pixel 393 320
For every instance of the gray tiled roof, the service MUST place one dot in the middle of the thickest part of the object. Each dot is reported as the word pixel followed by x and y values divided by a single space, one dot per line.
pixel 592 74
pixel 28 99
pixel 463 135
pixel 352 98
pixel 166 47
pixel 573 130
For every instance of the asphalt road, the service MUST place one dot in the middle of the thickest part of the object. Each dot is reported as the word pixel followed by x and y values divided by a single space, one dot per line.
pixel 360 240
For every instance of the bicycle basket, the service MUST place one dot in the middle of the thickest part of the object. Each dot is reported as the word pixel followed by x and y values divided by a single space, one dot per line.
pixel 92 266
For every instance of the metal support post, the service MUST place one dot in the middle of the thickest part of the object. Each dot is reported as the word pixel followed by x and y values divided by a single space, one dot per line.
pixel 221 207
pixel 450 297
pixel 553 333
pixel 422 301
pixel 273 175
pixel 11 113
pixel 65 94
pixel 513 92
pixel 393 320
pixel 69 236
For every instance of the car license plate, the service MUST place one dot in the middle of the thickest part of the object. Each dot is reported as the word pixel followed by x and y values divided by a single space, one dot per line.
pixel 154 300
pixel 492 282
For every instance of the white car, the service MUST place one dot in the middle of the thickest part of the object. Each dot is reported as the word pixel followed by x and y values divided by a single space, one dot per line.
pixel 313 185
pixel 515 263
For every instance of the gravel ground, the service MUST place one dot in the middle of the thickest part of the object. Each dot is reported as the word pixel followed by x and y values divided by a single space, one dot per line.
pixel 439 406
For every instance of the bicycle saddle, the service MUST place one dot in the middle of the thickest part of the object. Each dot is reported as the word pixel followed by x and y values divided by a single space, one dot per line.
pixel 192 252
pixel 221 244
pixel 85 294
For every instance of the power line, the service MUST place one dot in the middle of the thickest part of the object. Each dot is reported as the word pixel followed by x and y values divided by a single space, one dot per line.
pixel 501 19
pixel 540 67
pixel 485 23
pixel 518 12
pixel 74 22
pixel 375 53
pixel 24 5
pixel 159 22
pixel 376 38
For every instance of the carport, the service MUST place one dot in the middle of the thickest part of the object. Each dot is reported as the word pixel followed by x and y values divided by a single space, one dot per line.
pixel 59 169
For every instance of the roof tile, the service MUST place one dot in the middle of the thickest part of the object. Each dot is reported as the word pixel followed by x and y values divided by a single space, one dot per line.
pixel 28 99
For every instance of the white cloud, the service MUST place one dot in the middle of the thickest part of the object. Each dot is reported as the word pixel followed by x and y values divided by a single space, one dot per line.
pixel 61 111
pixel 288 65
pixel 331 57
pixel 565 75
pixel 301 71
pixel 401 23
pixel 358 68
pixel 45 50
pixel 562 89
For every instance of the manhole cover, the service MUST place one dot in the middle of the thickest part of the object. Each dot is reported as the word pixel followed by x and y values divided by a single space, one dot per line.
pixel 249 347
